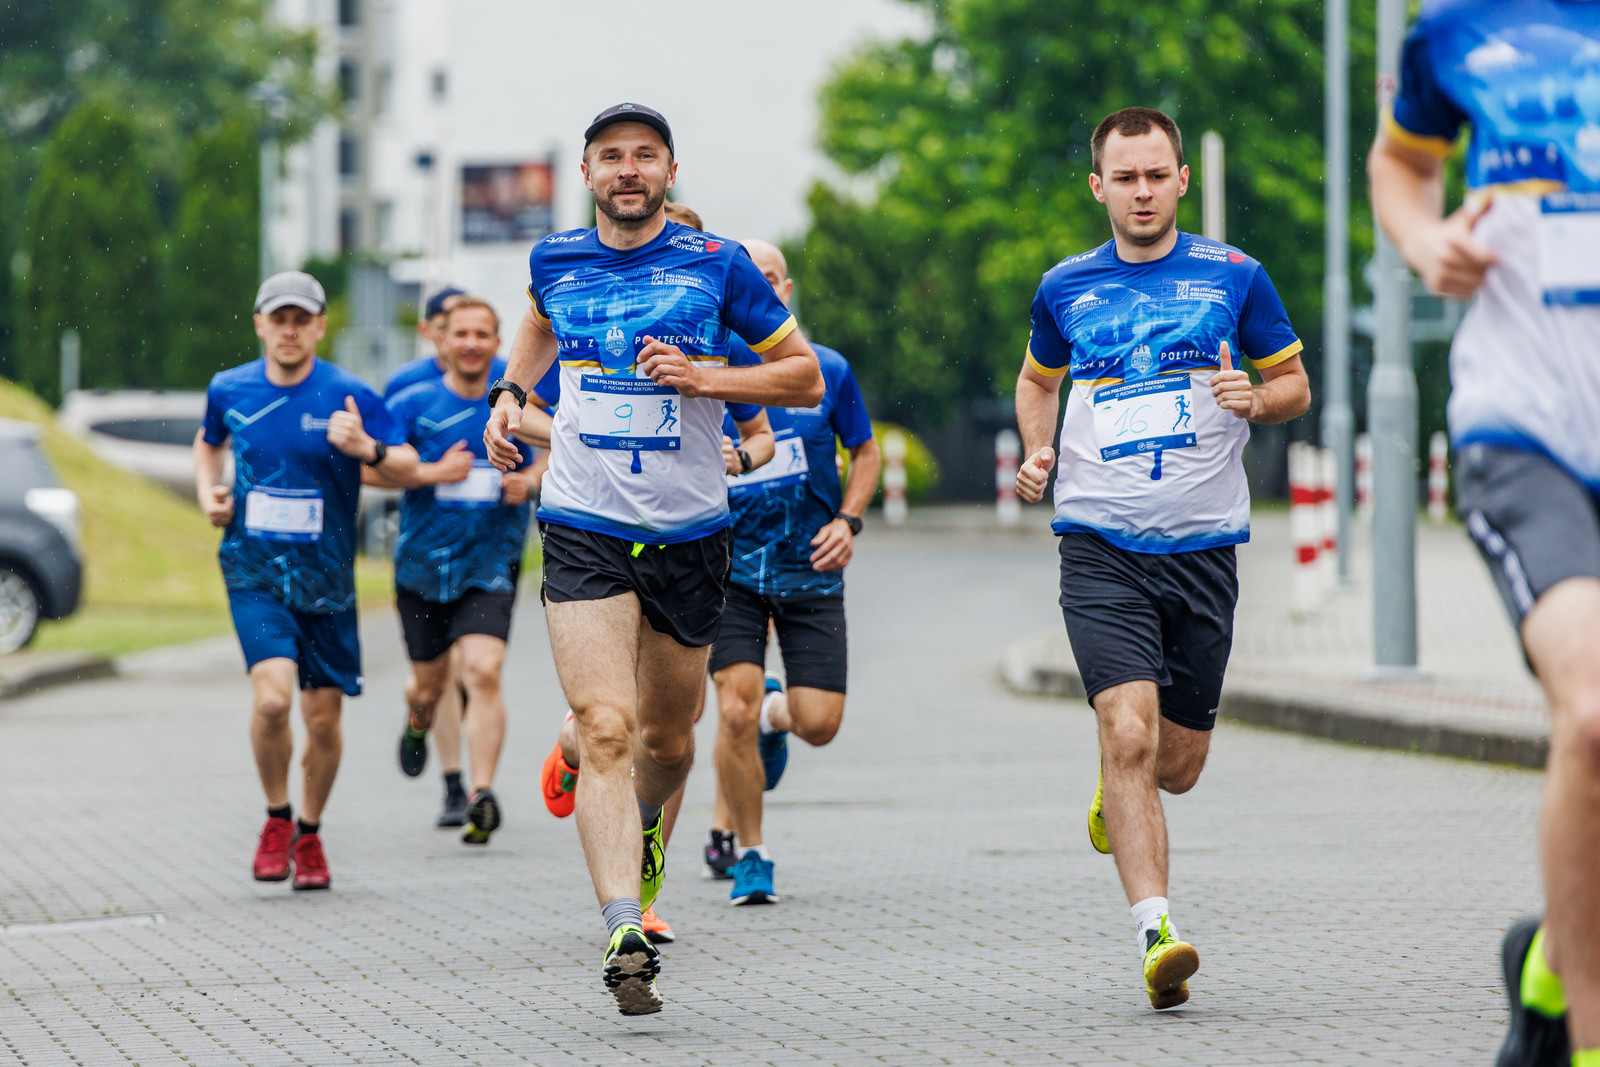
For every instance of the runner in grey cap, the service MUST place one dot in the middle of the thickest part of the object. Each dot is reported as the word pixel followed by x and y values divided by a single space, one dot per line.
pixel 291 287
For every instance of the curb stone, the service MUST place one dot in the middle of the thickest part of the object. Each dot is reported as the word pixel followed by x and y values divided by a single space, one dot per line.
pixel 34 672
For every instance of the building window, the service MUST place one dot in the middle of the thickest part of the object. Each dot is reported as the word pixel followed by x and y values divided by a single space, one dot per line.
pixel 349 156
pixel 385 226
pixel 349 230
pixel 349 81
pixel 349 12
pixel 441 85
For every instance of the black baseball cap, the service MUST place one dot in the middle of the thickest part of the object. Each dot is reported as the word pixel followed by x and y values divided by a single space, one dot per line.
pixel 435 304
pixel 630 113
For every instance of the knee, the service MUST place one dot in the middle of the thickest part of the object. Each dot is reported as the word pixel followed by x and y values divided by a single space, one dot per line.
pixel 425 693
pixel 1127 739
pixel 816 730
pixel 667 748
pixel 482 675
pixel 274 707
pixel 606 736
pixel 737 718
pixel 322 727
pixel 1180 780
pixel 1579 733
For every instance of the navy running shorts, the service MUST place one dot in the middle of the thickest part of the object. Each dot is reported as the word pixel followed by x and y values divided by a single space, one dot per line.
pixel 811 635
pixel 325 646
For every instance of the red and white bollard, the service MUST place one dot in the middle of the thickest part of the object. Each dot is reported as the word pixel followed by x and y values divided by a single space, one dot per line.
pixel 1007 458
pixel 1364 475
pixel 894 477
pixel 1328 519
pixel 1305 538
pixel 1438 477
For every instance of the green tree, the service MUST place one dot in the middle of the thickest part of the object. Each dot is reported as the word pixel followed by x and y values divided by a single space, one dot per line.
pixel 967 154
pixel 215 249
pixel 91 241
pixel 8 247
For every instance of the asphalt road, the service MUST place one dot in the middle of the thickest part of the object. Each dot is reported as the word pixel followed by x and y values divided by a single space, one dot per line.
pixel 940 900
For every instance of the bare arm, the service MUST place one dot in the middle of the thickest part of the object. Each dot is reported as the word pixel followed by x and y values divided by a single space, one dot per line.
pixel 1408 202
pixel 1038 408
pixel 532 351
pixel 755 438
pixel 536 425
pixel 787 377
pixel 1284 392
pixel 215 498
pixel 834 545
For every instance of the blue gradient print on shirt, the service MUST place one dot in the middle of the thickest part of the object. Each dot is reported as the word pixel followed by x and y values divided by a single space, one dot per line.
pixel 280 447
pixel 446 547
pixel 1525 74
pixel 773 527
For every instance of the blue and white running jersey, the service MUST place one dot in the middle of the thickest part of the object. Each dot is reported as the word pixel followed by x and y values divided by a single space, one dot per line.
pixel 1148 460
pixel 630 458
pixel 778 508
pixel 1525 75
pixel 456 536
pixel 295 496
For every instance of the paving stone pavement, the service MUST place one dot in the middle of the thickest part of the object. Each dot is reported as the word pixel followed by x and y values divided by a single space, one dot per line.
pixel 941 903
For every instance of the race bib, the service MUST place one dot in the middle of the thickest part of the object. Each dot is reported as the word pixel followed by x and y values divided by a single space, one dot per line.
pixel 787 466
pixel 480 488
pixel 630 414
pixel 1569 248
pixel 1141 417
pixel 283 514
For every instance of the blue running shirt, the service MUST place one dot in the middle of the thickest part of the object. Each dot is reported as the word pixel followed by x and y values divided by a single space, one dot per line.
pixel 1148 460
pixel 459 536
pixel 1525 75
pixel 629 458
pixel 781 507
pixel 295 496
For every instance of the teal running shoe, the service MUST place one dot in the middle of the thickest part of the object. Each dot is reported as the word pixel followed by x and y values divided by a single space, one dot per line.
pixel 774 746
pixel 752 880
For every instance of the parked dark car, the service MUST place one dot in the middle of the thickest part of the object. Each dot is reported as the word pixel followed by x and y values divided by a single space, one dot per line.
pixel 41 564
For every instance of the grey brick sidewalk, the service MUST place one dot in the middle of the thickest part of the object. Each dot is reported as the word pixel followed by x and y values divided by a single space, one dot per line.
pixel 940 901
pixel 1476 698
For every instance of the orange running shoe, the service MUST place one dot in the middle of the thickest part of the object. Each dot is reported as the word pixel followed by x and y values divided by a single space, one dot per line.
pixel 560 784
pixel 656 928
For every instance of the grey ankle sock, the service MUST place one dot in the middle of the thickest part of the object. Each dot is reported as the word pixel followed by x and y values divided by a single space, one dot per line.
pixel 647 813
pixel 624 911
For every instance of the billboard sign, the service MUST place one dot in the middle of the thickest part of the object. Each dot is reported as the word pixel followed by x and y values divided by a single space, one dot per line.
pixel 506 203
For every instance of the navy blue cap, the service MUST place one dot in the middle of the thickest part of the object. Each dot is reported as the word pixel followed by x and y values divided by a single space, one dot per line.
pixel 630 113
pixel 435 304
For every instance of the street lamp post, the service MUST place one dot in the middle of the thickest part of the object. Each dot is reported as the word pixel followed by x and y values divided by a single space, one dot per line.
pixel 1338 420
pixel 274 106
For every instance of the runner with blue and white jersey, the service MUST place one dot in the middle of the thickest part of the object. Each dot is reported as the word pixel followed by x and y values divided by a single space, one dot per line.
pixel 1524 412
pixel 634 509
pixel 300 430
pixel 458 555
pixel 1150 493
pixel 794 529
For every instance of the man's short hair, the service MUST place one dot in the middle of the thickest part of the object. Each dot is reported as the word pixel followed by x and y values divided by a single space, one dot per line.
pixel 466 300
pixel 686 215
pixel 1133 122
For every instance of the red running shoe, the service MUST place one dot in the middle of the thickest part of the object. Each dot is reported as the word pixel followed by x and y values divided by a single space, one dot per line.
pixel 272 851
pixel 560 784
pixel 310 865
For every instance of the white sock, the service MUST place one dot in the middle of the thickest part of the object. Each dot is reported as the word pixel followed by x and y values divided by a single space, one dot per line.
pixel 1147 916
pixel 760 850
pixel 766 718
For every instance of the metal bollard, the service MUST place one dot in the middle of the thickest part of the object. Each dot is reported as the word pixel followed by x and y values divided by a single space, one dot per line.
pixel 1364 475
pixel 894 478
pixel 1305 591
pixel 1007 458
pixel 1328 519
pixel 1438 477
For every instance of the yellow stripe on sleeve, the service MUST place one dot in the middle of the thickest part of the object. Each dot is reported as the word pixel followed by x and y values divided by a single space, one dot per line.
pixel 775 336
pixel 1286 352
pixel 1040 368
pixel 1434 146
pixel 536 312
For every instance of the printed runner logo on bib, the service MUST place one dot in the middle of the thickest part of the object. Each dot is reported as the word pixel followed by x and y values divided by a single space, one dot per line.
pixel 628 414
pixel 787 467
pixel 1142 417
pixel 1569 234
pixel 480 488
pixel 283 514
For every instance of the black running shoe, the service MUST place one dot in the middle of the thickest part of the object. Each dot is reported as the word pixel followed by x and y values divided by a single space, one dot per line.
pixel 719 855
pixel 454 812
pixel 413 750
pixel 1535 1039
pixel 483 818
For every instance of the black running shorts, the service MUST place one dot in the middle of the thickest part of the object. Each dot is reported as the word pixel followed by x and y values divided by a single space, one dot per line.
pixel 811 634
pixel 680 587
pixel 431 628
pixel 1534 523
pixel 1161 618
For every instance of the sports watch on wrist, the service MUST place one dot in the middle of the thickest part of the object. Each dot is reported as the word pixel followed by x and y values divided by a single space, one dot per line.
pixel 506 385
pixel 379 450
pixel 746 464
pixel 852 521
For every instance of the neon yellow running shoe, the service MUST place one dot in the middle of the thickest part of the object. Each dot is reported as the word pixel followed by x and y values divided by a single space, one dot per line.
pixel 1097 819
pixel 1168 963
pixel 630 970
pixel 652 865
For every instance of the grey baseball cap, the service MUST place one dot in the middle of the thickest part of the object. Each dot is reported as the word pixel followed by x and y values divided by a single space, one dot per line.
pixel 291 287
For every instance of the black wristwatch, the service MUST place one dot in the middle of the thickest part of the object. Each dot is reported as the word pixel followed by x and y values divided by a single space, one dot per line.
pixel 746 465
pixel 852 521
pixel 380 449
pixel 506 385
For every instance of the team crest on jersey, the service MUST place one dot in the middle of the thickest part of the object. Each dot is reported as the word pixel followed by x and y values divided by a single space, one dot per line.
pixel 1141 362
pixel 615 342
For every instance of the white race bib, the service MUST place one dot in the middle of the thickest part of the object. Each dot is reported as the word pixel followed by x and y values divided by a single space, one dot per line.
pixel 631 414
pixel 283 514
pixel 1569 248
pixel 480 488
pixel 787 466
pixel 1137 418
